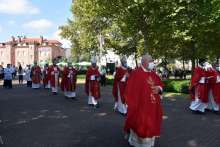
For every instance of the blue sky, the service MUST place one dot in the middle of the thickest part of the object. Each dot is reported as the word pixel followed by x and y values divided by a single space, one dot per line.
pixel 33 18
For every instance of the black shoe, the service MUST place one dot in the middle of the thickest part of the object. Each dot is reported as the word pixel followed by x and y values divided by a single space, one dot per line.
pixel 74 98
pixel 97 106
pixel 123 114
pixel 217 112
pixel 54 93
pixel 197 112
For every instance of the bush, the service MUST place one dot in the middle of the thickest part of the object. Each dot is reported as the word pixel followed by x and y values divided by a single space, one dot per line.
pixel 109 81
pixel 177 86
pixel 81 72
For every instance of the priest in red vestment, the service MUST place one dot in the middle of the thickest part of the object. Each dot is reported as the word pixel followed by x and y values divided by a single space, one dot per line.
pixel 214 89
pixel 68 83
pixel 120 80
pixel 92 85
pixel 54 72
pixel 199 88
pixel 46 77
pixel 143 97
pixel 36 76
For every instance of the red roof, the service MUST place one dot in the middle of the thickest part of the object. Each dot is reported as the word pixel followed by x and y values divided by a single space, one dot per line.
pixel 35 40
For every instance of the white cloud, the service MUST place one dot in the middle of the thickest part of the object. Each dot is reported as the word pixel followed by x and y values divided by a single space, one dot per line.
pixel 66 43
pixel 17 7
pixel 40 25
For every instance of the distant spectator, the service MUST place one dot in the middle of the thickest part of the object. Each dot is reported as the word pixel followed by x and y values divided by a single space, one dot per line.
pixel 108 70
pixel 20 74
pixel 8 77
pixel 28 76
pixel 103 76
pixel 1 72
pixel 14 71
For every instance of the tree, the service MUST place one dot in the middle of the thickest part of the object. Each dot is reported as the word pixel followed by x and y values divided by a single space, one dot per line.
pixel 183 29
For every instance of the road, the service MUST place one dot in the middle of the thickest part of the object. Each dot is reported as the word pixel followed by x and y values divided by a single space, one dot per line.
pixel 36 118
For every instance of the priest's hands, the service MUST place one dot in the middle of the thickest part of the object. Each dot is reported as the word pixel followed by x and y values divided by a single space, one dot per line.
pixel 156 90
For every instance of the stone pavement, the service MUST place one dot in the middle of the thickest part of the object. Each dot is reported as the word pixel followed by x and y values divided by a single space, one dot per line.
pixel 36 118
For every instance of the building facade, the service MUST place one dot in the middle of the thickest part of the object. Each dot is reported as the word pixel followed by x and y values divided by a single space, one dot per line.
pixel 25 51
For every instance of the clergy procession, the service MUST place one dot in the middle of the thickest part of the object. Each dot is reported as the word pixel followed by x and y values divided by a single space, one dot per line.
pixel 137 92
pixel 205 88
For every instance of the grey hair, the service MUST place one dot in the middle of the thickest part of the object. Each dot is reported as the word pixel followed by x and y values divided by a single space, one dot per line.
pixel 146 57
pixel 123 59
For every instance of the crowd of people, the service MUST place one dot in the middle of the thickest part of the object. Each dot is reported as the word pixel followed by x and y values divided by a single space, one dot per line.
pixel 48 77
pixel 137 93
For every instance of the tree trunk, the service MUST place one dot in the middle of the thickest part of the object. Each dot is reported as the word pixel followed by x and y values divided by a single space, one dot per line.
pixel 145 44
pixel 184 65
pixel 193 63
pixel 193 57
pixel 144 32
pixel 184 69
pixel 135 56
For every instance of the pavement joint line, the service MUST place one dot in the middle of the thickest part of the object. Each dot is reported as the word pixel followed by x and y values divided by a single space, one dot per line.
pixel 1 141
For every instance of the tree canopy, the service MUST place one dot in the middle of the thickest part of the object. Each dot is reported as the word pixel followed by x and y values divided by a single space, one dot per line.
pixel 185 29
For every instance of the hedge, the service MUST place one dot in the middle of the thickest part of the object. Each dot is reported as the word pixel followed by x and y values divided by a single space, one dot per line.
pixel 173 85
pixel 176 86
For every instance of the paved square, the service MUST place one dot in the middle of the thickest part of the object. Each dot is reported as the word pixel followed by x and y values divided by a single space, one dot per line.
pixel 36 118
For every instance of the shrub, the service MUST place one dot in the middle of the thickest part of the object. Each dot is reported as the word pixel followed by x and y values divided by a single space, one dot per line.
pixel 178 86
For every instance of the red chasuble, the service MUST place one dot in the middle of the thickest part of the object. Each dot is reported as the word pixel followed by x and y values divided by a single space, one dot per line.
pixel 46 76
pixel 214 85
pixel 199 85
pixel 69 78
pixel 144 115
pixel 54 81
pixel 36 74
pixel 93 85
pixel 120 73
